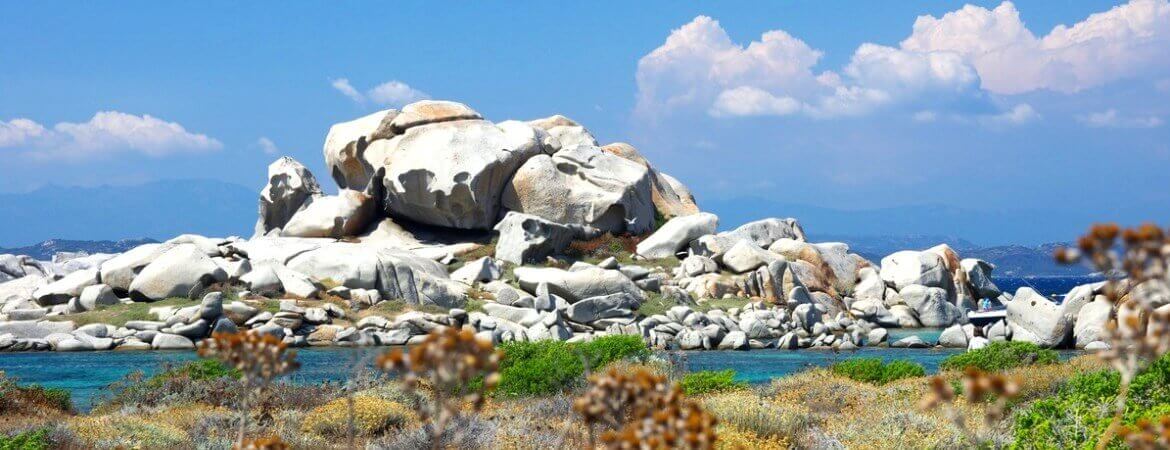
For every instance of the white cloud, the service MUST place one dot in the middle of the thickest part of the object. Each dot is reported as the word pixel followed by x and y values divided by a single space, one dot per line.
pixel 267 146
pixel 17 132
pixel 1019 115
pixel 106 133
pixel 342 85
pixel 956 65
pixel 1129 40
pixel 699 66
pixel 1111 118
pixel 750 101
pixel 391 93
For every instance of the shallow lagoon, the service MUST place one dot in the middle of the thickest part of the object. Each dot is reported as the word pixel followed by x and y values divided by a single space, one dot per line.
pixel 85 374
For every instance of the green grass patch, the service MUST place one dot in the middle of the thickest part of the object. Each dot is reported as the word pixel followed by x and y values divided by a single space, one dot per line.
pixel 875 371
pixel 1081 410
pixel 710 381
pixel 550 366
pixel 37 439
pixel 999 356
pixel 117 315
pixel 198 370
pixel 723 303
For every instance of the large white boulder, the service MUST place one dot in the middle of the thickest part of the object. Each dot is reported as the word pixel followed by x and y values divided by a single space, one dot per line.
pixel 931 307
pixel 180 271
pixel 345 147
pixel 746 255
pixel 671 198
pixel 674 235
pixel 603 307
pixel 336 216
pixel 120 270
pixel 580 284
pixel 61 291
pixel 1091 320
pixel 291 187
pixel 586 186
pixel 19 266
pixel 395 273
pixel 979 276
pixel 525 238
pixel 451 173
pixel 431 111
pixel 909 267
pixel 1036 319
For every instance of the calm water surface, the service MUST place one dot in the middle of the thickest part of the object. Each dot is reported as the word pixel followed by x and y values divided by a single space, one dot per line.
pixel 85 374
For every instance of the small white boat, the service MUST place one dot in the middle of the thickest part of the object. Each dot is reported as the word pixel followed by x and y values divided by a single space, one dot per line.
pixel 981 318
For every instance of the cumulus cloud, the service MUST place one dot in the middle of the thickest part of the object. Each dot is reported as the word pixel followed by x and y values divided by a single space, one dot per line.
pixel 1111 118
pixel 1129 40
pixel 961 64
pixel 105 133
pixel 17 132
pixel 267 146
pixel 391 93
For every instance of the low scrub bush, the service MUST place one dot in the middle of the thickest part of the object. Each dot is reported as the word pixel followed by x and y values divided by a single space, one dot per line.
pixel 710 381
pixel 28 440
pixel 31 399
pixel 1081 409
pixel 549 366
pixel 372 416
pixel 604 246
pixel 999 356
pixel 875 371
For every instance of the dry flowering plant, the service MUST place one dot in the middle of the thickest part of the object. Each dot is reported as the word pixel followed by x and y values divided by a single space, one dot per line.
pixel 1138 286
pixel 449 361
pixel 642 410
pixel 259 358
pixel 978 387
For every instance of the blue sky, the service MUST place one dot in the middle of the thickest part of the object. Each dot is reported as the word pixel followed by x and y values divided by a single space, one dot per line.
pixel 850 105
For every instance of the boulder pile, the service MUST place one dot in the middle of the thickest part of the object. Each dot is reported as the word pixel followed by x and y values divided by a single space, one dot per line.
pixel 446 219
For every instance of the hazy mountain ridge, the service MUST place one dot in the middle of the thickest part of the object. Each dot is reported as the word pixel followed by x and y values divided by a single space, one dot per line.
pixel 157 210
pixel 45 250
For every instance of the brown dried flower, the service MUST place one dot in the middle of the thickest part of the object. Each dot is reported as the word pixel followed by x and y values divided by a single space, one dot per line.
pixel 644 411
pixel 264 443
pixel 1146 434
pixel 1138 284
pixel 449 361
pixel 259 358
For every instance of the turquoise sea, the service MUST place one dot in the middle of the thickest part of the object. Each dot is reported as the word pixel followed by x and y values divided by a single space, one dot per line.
pixel 85 374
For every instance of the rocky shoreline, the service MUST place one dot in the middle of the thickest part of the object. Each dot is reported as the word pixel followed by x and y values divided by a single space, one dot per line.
pixel 520 231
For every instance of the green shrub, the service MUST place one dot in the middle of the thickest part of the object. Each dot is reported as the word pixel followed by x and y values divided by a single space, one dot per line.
pixel 710 381
pixel 874 371
pixel 1082 409
pixel 28 440
pixel 999 356
pixel 546 367
pixel 197 370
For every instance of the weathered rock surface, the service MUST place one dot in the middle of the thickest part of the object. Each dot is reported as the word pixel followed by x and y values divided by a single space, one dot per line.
pixel 178 272
pixel 525 238
pixel 345 147
pixel 586 186
pixel 674 235
pixel 291 187
pixel 1033 318
pixel 451 173
pixel 580 284
pixel 346 214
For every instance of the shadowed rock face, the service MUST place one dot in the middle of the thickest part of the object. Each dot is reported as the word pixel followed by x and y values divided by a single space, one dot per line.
pixel 451 173
pixel 584 185
pixel 291 187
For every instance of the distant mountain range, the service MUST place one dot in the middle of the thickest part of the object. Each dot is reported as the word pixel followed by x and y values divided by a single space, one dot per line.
pixel 1010 260
pixel 44 251
pixel 1030 226
pixel 158 210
